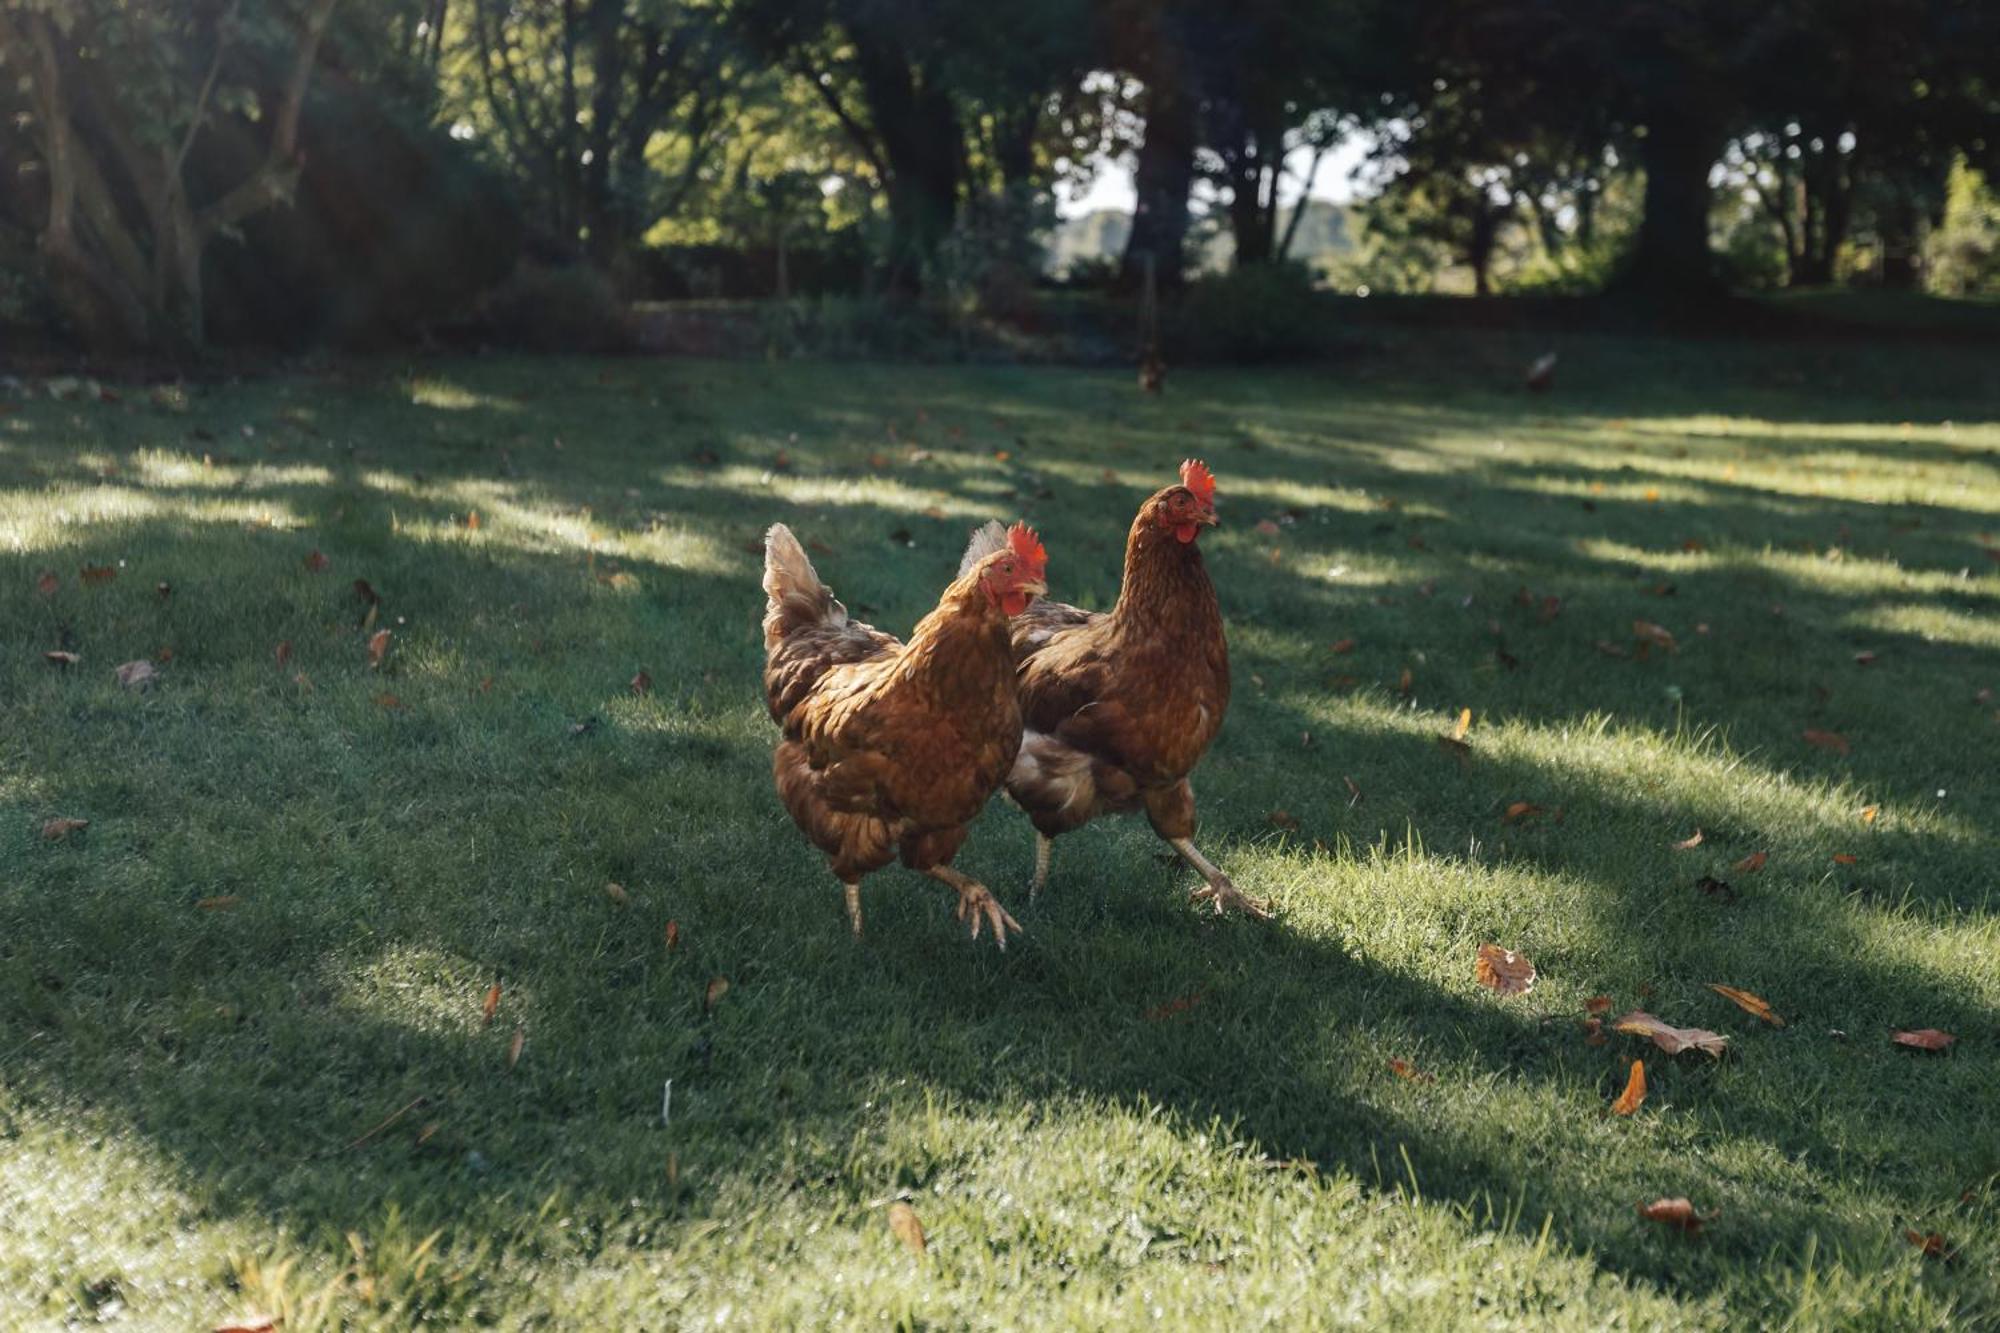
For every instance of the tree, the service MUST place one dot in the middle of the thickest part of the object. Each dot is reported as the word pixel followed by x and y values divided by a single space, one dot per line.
pixel 120 92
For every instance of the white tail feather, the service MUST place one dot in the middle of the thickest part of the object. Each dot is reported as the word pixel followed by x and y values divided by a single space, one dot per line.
pixel 985 541
pixel 793 595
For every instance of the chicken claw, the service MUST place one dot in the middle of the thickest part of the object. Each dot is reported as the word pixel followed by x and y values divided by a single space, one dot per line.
pixel 977 906
pixel 1225 895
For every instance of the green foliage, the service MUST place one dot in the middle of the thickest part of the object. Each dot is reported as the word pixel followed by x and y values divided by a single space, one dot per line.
pixel 1254 313
pixel 556 308
pixel 1964 252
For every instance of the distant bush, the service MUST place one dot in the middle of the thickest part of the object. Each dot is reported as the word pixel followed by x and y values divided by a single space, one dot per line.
pixel 1964 253
pixel 556 308
pixel 1265 312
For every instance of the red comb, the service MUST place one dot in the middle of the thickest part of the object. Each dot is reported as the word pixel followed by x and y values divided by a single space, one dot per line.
pixel 1197 478
pixel 1022 539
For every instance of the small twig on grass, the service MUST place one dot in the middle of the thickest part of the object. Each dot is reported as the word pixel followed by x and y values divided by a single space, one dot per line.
pixel 393 1117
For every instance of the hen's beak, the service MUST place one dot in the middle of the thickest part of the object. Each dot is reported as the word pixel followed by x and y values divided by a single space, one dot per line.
pixel 1207 518
pixel 1033 587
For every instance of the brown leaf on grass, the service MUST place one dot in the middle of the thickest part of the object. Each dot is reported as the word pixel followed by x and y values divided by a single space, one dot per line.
pixel 1635 1091
pixel 492 1005
pixel 55 830
pixel 905 1226
pixel 1597 1004
pixel 1689 843
pixel 1520 810
pixel 1173 1008
pixel 1353 792
pixel 1610 649
pixel 713 993
pixel 1748 1002
pixel 1752 863
pixel 1923 1039
pixel 1669 1038
pixel 1341 647
pixel 1864 659
pixel 1658 636
pixel 1868 813
pixel 616 893
pixel 1503 970
pixel 1593 1032
pixel 316 562
pixel 1827 740
pixel 137 675
pixel 1405 1070
pixel 366 592
pixel 47 584
pixel 1463 725
pixel 378 648
pixel 61 659
pixel 387 702
pixel 642 684
pixel 1932 1243
pixel 96 574
pixel 1406 681
pixel 221 902
pixel 514 1046
pixel 472 521
pixel 673 936
pixel 1676 1213
pixel 1267 527
pixel 283 652
pixel 1845 858
pixel 1283 820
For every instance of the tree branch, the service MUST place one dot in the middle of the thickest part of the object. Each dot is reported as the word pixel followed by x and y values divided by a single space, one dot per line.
pixel 863 140
pixel 222 31
pixel 273 181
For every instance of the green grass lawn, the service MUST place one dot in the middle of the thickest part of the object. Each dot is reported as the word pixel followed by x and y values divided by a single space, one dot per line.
pixel 1137 1114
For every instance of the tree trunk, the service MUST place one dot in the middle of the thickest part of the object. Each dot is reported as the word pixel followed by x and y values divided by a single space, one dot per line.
pixel 923 152
pixel 1164 178
pixel 1671 258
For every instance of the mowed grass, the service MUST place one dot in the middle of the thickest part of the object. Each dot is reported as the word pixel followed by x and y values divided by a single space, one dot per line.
pixel 288 1102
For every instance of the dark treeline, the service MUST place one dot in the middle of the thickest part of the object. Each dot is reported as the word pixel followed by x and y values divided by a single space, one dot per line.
pixel 346 172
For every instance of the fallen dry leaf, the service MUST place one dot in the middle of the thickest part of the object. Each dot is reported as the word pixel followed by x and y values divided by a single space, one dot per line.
pixel 1520 810
pixel 907 1228
pixel 1464 724
pixel 1597 1004
pixel 1353 792
pixel 1676 1213
pixel 1748 1003
pixel 1932 1243
pixel 1405 681
pixel 642 684
pixel 1645 631
pixel 1689 843
pixel 492 1005
pixel 137 675
pixel 47 584
pixel 1404 1069
pixel 1341 647
pixel 1669 1038
pixel 61 659
pixel 1635 1091
pixel 1864 659
pixel 366 592
pixel 616 893
pixel 95 574
pixel 378 648
pixel 1827 740
pixel 472 521
pixel 1610 649
pixel 1593 1032
pixel 57 829
pixel 283 652
pixel 514 1046
pixel 1503 970
pixel 1283 820
pixel 1845 858
pixel 1752 863
pixel 316 562
pixel 1923 1039
pixel 222 902
pixel 249 1323
pixel 673 935
pixel 388 703
pixel 1159 1013
pixel 1868 813
pixel 712 995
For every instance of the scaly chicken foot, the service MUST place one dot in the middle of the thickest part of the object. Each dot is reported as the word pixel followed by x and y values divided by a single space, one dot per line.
pixel 976 906
pixel 852 891
pixel 1218 890
pixel 1043 845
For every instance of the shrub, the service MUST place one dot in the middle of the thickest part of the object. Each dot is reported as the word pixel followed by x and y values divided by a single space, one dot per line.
pixel 1263 312
pixel 560 308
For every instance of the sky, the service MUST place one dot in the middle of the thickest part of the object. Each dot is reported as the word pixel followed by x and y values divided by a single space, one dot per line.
pixel 1112 186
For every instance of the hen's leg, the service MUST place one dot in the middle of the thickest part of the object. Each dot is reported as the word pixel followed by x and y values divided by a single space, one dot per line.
pixel 1171 812
pixel 976 907
pixel 1043 844
pixel 1218 890
pixel 852 889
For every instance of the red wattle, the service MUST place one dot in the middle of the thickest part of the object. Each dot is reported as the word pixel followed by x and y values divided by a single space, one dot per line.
pixel 1014 602
pixel 1185 532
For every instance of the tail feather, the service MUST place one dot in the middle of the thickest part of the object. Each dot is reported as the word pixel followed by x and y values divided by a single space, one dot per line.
pixel 794 596
pixel 985 541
